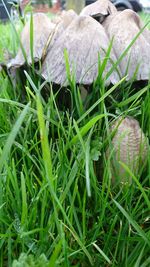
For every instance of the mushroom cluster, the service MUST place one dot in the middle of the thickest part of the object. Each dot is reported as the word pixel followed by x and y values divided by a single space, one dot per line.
pixel 83 41
pixel 85 38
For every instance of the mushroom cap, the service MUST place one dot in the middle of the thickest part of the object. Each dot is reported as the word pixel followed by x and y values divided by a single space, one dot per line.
pixel 42 27
pixel 99 9
pixel 84 40
pixel 61 25
pixel 123 27
pixel 129 146
pixel 65 18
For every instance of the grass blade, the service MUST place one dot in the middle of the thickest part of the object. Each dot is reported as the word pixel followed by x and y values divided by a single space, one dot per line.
pixel 102 253
pixel 31 40
pixel 137 182
pixel 54 257
pixel 24 200
pixel 133 223
pixel 83 131
pixel 12 136
pixel 44 142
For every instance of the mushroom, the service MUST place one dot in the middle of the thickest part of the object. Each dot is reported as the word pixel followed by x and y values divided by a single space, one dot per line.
pixel 42 27
pixel 129 146
pixel 45 33
pixel 99 10
pixel 123 27
pixel 84 39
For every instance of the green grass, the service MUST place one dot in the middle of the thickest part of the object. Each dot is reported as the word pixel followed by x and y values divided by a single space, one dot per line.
pixel 57 206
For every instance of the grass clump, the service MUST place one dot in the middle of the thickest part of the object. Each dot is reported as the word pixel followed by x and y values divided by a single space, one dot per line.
pixel 57 205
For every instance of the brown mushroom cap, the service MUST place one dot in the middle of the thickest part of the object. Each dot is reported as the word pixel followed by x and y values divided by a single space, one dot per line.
pixel 99 9
pixel 84 39
pixel 123 27
pixel 42 27
pixel 129 146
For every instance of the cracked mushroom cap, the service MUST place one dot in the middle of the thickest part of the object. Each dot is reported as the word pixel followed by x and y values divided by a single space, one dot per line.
pixel 42 27
pixel 123 27
pixel 99 10
pixel 129 146
pixel 84 40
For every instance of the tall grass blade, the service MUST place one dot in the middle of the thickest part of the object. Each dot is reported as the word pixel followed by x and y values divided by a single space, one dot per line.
pixel 12 136
pixel 102 253
pixel 55 255
pixel 44 142
pixel 82 246
pixel 15 31
pixel 84 130
pixel 24 201
pixel 87 163
pixel 32 40
pixel 133 223
pixel 138 262
pixel 137 182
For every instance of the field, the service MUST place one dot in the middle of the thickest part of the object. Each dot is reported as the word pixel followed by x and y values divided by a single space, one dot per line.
pixel 57 206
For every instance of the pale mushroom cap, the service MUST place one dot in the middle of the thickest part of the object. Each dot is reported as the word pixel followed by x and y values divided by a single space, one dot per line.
pixel 129 146
pixel 66 17
pixel 64 21
pixel 98 8
pixel 84 39
pixel 42 28
pixel 123 27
